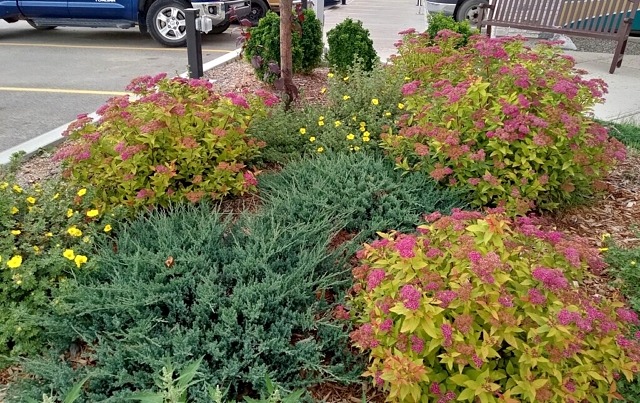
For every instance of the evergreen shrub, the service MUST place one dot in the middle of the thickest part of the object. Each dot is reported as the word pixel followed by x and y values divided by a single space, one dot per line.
pixel 188 284
pixel 502 120
pixel 477 307
pixel 177 140
pixel 362 192
pixel 438 22
pixel 262 48
pixel 349 43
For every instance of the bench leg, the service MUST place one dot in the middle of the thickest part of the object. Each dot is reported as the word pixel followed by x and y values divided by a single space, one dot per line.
pixel 620 48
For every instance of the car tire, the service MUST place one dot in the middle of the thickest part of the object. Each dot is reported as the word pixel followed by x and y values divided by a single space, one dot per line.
pixel 258 10
pixel 218 29
pixel 470 11
pixel 166 22
pixel 40 27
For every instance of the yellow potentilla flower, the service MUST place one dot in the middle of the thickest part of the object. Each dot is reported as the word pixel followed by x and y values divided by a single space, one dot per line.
pixel 107 228
pixel 350 136
pixel 73 231
pixel 632 263
pixel 68 253
pixel 31 200
pixel 14 262
pixel 354 118
pixel 323 90
pixel 36 248
pixel 400 105
pixel 363 129
pixel 320 117
pixel 69 213
pixel 14 210
pixel 4 185
pixel 16 232
pixel 92 213
pixel 17 189
pixel 55 196
pixel 79 260
pixel 303 130
pixel 320 149
pixel 312 139
pixel 356 148
pixel 17 278
pixel 49 234
pixel 366 134
pixel 375 101
pixel 320 122
pixel 387 114
pixel 346 78
pixel 603 249
pixel 605 236
pixel 365 139
pixel 86 239
pixel 363 124
pixel 337 123
pixel 407 79
pixel 330 75
pixel 82 192
pixel 346 97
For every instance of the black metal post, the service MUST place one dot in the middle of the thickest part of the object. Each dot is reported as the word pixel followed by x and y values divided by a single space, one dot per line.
pixel 344 2
pixel 194 43
pixel 305 4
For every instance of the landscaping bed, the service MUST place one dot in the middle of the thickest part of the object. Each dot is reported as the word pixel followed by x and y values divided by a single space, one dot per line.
pixel 412 232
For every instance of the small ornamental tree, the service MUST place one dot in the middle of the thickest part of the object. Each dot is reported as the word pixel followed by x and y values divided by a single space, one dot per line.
pixel 177 140
pixel 500 119
pixel 477 307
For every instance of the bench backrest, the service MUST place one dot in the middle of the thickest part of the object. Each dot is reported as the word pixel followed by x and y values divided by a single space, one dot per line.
pixel 597 16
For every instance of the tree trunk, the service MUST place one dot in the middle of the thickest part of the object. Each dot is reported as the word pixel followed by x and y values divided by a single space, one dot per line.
pixel 286 60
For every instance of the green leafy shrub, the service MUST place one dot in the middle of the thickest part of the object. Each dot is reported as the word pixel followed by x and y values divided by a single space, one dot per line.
pixel 178 140
pixel 438 22
pixel 349 43
pixel 361 105
pixel 46 236
pixel 624 265
pixel 479 308
pixel 501 120
pixel 262 49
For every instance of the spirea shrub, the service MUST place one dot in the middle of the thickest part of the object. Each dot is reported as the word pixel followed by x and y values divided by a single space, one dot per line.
pixel 476 307
pixel 500 119
pixel 47 235
pixel 175 140
pixel 262 48
pixel 349 43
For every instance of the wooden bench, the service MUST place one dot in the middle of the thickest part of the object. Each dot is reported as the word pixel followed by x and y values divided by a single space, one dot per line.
pixel 600 19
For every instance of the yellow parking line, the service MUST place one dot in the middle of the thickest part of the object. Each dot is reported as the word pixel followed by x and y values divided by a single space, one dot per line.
pixel 106 47
pixel 62 91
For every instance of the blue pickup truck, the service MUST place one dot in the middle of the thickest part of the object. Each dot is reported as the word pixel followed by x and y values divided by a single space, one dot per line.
pixel 163 19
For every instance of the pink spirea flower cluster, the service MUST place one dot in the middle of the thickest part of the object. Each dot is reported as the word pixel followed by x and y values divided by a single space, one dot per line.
pixel 410 297
pixel 552 279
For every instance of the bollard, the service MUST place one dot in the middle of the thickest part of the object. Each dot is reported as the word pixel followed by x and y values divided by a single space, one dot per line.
pixel 194 43
pixel 344 2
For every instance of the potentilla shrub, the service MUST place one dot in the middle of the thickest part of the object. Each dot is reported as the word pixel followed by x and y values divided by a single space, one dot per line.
pixel 177 139
pixel 361 105
pixel 476 307
pixel 47 235
pixel 505 121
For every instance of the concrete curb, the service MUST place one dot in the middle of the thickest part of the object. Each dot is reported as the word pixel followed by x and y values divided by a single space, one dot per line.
pixel 54 137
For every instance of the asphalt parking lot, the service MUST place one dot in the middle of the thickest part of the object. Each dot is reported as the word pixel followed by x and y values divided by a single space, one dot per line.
pixel 47 78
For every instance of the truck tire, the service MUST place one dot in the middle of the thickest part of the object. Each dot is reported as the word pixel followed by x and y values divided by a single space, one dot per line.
pixel 166 22
pixel 258 10
pixel 218 29
pixel 470 11
pixel 40 27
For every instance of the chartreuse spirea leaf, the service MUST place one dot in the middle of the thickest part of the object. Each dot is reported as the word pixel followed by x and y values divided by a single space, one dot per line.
pixel 448 313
